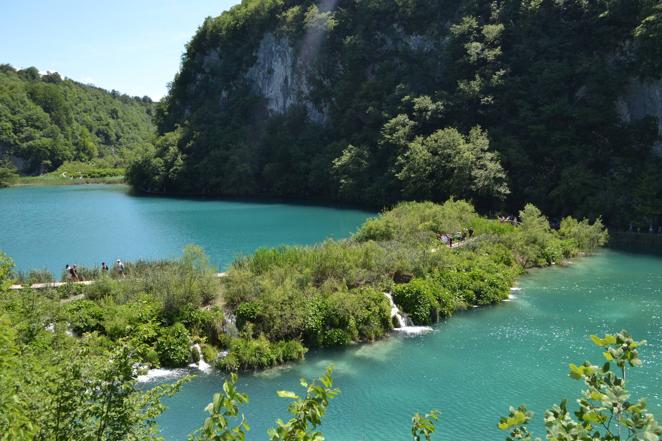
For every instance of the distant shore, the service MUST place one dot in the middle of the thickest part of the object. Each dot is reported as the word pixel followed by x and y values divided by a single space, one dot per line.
pixel 47 180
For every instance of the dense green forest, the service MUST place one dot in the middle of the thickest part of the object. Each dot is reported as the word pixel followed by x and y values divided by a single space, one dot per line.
pixel 372 102
pixel 46 121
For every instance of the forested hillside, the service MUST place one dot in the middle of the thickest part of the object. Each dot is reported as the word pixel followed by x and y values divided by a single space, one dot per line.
pixel 374 101
pixel 46 120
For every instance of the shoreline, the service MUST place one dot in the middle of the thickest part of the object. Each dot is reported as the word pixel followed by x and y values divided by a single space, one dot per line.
pixel 57 181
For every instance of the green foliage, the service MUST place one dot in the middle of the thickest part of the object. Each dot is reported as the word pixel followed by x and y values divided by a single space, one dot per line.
pixel 584 235
pixel 173 346
pixel 84 316
pixel 46 121
pixel 423 426
pixel 418 300
pixel 307 411
pixel 79 170
pixel 222 408
pixel 419 100
pixel 6 266
pixel 73 391
pixel 606 410
pixel 8 175
pixel 259 353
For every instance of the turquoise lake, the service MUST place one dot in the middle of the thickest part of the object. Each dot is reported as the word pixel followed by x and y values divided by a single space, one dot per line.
pixel 49 227
pixel 473 366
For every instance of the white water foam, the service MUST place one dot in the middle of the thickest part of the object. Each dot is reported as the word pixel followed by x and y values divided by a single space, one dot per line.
pixel 405 326
pixel 160 374
pixel 201 365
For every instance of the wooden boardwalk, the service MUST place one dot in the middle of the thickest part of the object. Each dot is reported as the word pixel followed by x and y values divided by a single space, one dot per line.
pixel 59 284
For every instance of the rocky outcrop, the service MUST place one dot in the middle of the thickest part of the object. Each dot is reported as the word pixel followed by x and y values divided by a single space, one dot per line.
pixel 280 77
pixel 643 98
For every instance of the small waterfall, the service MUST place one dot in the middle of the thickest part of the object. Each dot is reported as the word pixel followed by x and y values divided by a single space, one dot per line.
pixel 201 364
pixel 405 324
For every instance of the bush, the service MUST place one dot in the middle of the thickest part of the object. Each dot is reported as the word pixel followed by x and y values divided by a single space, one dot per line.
pixel 585 236
pixel 336 337
pixel 377 229
pixel 418 301
pixel 174 346
pixel 207 323
pixel 209 352
pixel 247 313
pixel 259 353
pixel 83 316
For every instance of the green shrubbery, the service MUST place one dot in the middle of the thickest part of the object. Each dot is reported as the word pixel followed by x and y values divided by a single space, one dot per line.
pixel 77 170
pixel 331 294
pixel 256 353
pixel 173 346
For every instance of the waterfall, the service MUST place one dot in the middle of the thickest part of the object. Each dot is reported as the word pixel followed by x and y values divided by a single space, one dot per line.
pixel 201 364
pixel 405 324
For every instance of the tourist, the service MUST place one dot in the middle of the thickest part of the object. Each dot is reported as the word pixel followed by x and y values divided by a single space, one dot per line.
pixel 120 268
pixel 471 232
pixel 450 240
pixel 104 268
pixel 73 275
pixel 78 277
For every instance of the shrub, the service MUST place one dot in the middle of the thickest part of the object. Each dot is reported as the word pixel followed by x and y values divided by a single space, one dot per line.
pixel 83 316
pixel 247 353
pixel 336 337
pixel 418 301
pixel 206 323
pixel 209 352
pixel 586 237
pixel 247 312
pixel 173 346
pixel 377 229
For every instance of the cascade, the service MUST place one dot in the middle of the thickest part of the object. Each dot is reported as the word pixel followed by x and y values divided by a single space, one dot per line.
pixel 405 324
pixel 201 364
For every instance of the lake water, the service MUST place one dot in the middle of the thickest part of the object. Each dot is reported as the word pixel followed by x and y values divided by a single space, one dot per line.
pixel 473 366
pixel 48 227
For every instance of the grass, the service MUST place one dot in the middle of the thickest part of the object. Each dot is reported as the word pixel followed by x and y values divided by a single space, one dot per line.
pixel 48 180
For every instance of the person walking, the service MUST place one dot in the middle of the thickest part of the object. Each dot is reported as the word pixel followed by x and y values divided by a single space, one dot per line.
pixel 104 268
pixel 71 269
pixel 120 268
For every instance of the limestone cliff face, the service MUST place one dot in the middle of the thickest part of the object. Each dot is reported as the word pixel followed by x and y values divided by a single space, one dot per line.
pixel 281 78
pixel 643 98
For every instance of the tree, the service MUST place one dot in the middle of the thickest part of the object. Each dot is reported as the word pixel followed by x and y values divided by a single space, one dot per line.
pixel 446 163
pixel 606 411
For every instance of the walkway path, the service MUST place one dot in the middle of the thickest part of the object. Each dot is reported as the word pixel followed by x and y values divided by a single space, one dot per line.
pixel 59 284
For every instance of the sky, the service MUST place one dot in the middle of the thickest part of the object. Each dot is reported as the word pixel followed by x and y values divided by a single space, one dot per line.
pixel 133 46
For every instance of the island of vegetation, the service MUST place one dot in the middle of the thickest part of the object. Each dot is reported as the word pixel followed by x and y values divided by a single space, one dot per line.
pixel 69 357
pixel 274 305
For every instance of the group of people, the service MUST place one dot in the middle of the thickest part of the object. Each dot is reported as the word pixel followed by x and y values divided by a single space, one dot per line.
pixel 72 270
pixel 651 229
pixel 509 220
pixel 459 236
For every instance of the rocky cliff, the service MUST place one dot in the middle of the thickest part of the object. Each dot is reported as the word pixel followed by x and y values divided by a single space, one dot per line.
pixel 376 101
pixel 642 99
